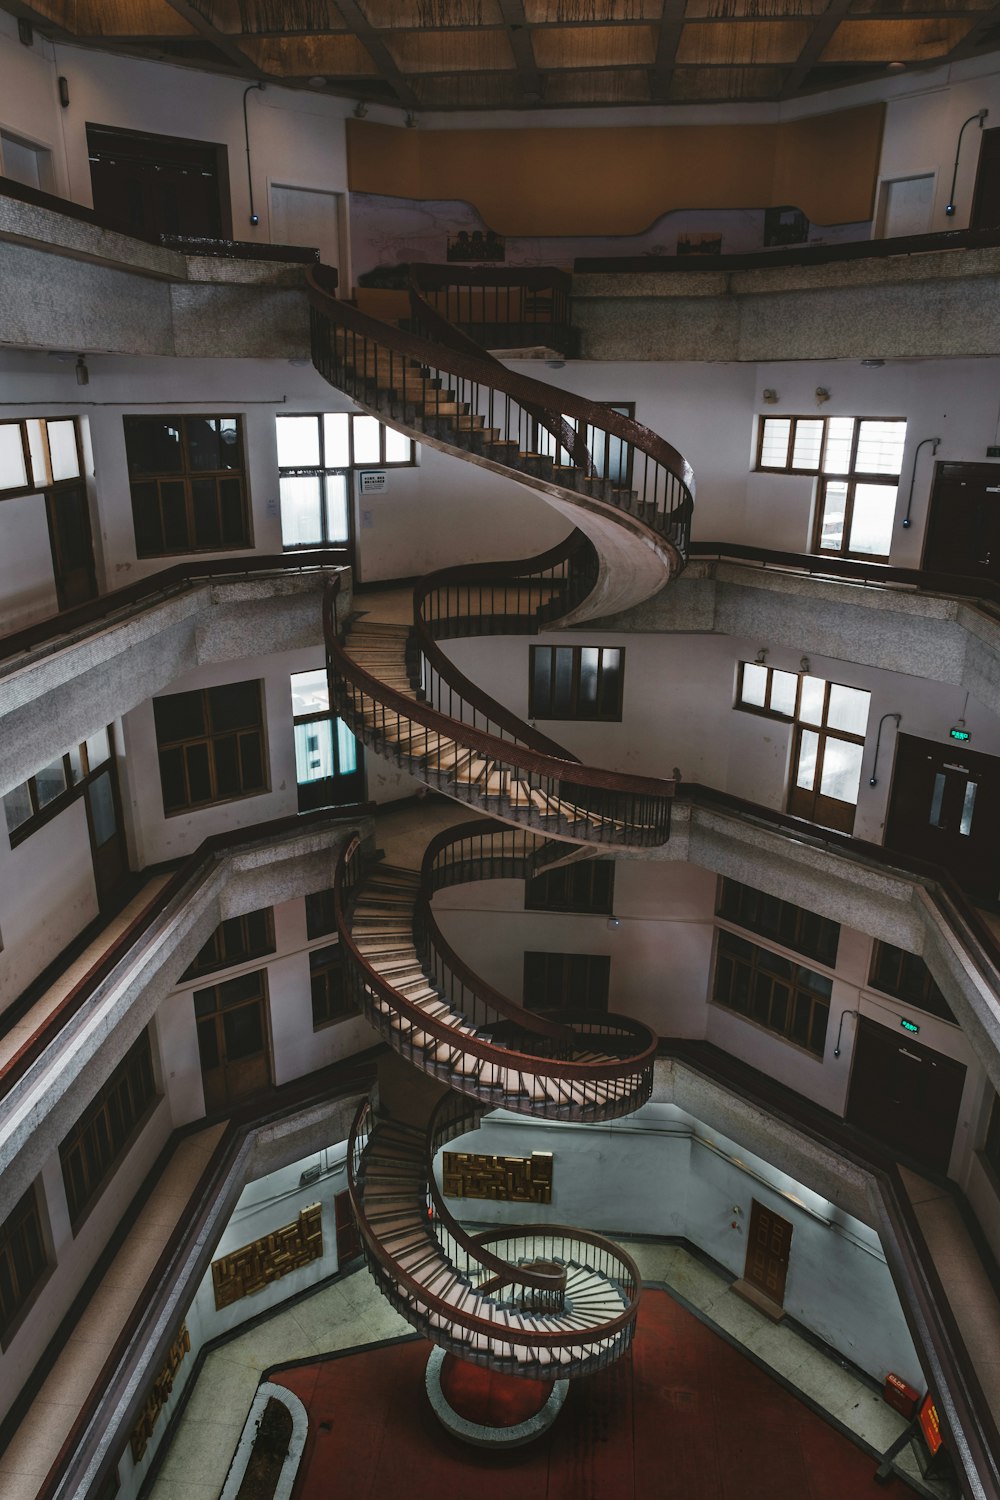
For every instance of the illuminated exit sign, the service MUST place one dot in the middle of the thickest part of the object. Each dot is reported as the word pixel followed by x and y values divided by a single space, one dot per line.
pixel 960 734
pixel 910 1026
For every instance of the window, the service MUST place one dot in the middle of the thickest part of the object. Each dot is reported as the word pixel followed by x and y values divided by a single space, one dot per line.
pixel 34 802
pixel 991 1146
pixel 189 490
pixel 780 921
pixel 586 886
pixel 231 1018
pixel 830 723
pixel 316 455
pixel 211 745
pixel 576 682
pixel 320 918
pixel 37 453
pixel 572 982
pixel 328 765
pixel 779 995
pixel 330 998
pixel 235 941
pixel 906 976
pixel 858 461
pixel 23 1261
pixel 91 1151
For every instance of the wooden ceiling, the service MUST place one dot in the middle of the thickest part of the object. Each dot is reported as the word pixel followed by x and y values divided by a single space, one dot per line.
pixel 517 54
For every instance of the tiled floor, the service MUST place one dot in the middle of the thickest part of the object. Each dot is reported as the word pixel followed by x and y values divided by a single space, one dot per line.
pixel 350 1312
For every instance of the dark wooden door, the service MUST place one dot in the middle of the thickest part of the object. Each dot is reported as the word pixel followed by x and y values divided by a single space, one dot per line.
pixel 348 1238
pixel 107 836
pixel 986 195
pixel 70 537
pixel 149 185
pixel 905 1094
pixel 769 1240
pixel 233 1040
pixel 963 530
pixel 945 807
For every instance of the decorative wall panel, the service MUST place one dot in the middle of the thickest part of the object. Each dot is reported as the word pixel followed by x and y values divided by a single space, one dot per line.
pixel 502 1179
pixel 254 1266
pixel 159 1394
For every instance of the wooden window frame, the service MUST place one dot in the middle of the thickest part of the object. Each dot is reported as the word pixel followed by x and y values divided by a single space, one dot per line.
pixel 755 966
pixel 23 1237
pixel 105 1131
pixel 596 973
pixel 185 475
pixel 209 738
pixel 37 484
pixel 319 913
pixel 575 713
pixel 737 896
pixel 755 708
pixel 310 793
pixel 217 954
pixel 586 887
pixel 42 814
pixel 330 996
pixel 824 735
pixel 927 997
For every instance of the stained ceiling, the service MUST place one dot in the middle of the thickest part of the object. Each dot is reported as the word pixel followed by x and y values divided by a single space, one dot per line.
pixel 517 54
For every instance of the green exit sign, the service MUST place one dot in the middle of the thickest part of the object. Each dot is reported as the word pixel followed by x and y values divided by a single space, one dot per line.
pixel 911 1027
pixel 960 734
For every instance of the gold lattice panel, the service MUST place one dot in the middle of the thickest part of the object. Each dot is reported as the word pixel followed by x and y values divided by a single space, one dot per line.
pixel 500 1179
pixel 159 1394
pixel 255 1266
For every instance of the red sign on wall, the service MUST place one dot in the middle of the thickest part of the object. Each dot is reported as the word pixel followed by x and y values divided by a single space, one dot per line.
pixel 900 1396
pixel 930 1426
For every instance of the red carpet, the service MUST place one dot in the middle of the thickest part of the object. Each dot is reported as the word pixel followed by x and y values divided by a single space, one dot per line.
pixel 686 1418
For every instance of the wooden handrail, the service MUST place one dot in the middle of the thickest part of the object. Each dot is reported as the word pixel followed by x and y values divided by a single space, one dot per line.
pixel 431 277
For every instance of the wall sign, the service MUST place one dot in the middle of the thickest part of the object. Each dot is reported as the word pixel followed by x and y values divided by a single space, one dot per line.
pixel 502 1179
pixel 372 481
pixel 910 1026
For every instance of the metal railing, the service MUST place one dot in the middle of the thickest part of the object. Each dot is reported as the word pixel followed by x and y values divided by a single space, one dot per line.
pixel 500 306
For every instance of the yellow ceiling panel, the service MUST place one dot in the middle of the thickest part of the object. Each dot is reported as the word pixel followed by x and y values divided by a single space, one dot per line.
pixel 688 85
pixel 894 41
pixel 468 90
pixel 288 17
pixel 430 15
pixel 306 56
pixel 575 12
pixel 754 10
pixel 623 86
pixel 450 51
pixel 728 42
pixel 115 17
pixel 595 46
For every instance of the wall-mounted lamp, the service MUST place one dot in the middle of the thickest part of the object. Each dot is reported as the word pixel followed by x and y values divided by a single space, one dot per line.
pixel 411 121
pixel 980 115
pixel 913 474
pixel 804 665
pixel 254 217
pixel 317 81
pixel 761 658
pixel 873 779
pixel 614 923
pixel 25 34
pixel 82 373
pixel 822 395
pixel 769 396
pixel 64 92
pixel 840 1028
pixel 872 364
pixel 360 110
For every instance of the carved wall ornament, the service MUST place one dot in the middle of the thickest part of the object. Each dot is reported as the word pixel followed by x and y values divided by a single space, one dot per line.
pixel 251 1268
pixel 159 1394
pixel 502 1179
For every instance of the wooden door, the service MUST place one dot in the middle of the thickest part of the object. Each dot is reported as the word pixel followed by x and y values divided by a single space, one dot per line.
pixel 769 1240
pixel 70 537
pixel 944 806
pixel 149 185
pixel 233 1039
pixel 963 529
pixel 348 1238
pixel 905 1094
pixel 986 195
pixel 107 836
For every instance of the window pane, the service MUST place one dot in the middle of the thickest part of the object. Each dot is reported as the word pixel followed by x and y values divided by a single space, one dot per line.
pixel 937 798
pixel 754 688
pixel 235 705
pixel 397 447
pixel 101 800
pixel 871 519
pixel 848 709
pixel 98 749
pixel 589 657
pixel 213 442
pixel 205 511
pixel 153 445
pixel 774 448
pixel 841 770
pixel 831 537
pixel 968 808
pixel 611 666
pixel 563 696
pixel 541 698
pixel 62 450
pixel 784 687
pixel 808 442
pixel 301 521
pixel 805 775
pixel 244 1032
pixel 13 473
pixel 811 701
pixel 310 692
pixel 336 440
pixel 880 448
pixel 50 782
pixel 347 749
pixel 38 452
pixel 367 448
pixel 75 764
pixel 178 716
pixel 298 442
pixel 337 529
pixel 17 806
pixel 839 437
pixel 314 751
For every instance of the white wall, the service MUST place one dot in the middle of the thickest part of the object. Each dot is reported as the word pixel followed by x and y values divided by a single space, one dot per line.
pixel 47 895
pixel 27 584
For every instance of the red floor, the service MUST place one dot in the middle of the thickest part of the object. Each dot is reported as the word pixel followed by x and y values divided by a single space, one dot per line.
pixel 686 1418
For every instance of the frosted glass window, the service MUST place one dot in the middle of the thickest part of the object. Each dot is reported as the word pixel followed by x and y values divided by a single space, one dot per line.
pixel 102 809
pixel 880 447
pixel 784 689
pixel 301 519
pixel 17 807
pixel 754 691
pixel 805 775
pixel 38 452
pixel 839 441
pixel 841 770
pixel 397 447
pixel 848 709
pixel 337 440
pixel 808 443
pixel 774 446
pixel 367 448
pixel 834 511
pixel 310 692
pixel 968 807
pixel 50 782
pixel 347 748
pixel 314 759
pixel 871 521
pixel 98 749
pixel 937 798
pixel 589 659
pixel 63 455
pixel 337 525
pixel 76 771
pixel 298 442
pixel 811 700
pixel 13 474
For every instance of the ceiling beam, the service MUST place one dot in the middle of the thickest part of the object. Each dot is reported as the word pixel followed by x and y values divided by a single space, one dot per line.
pixel 823 29
pixel 662 71
pixel 516 23
pixel 225 43
pixel 356 21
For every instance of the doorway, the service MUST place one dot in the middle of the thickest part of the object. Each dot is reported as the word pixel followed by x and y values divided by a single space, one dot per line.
pixel 769 1240
pixel 944 806
pixel 986 194
pixel 26 162
pixel 148 185
pixel 233 1039
pixel 905 1094
pixel 348 1237
pixel 308 216
pixel 963 528
pixel 906 206
pixel 67 512
pixel 107 835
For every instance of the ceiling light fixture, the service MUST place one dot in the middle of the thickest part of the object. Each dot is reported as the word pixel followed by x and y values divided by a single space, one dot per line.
pixel 411 121
pixel 82 373
pixel 317 81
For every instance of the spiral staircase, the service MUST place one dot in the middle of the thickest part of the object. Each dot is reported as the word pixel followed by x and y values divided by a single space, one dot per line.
pixel 539 1301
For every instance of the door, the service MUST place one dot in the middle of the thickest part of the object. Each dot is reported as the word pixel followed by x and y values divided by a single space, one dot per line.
pixel 769 1240
pixel 233 1040
pixel 944 806
pixel 68 514
pixel 107 837
pixel 986 195
pixel 963 529
pixel 905 1094
pixel 305 216
pixel 348 1238
pixel 906 207
pixel 150 185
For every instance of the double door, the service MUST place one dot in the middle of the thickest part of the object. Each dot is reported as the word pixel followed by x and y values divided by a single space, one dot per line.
pixel 905 1094
pixel 963 530
pixel 945 808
